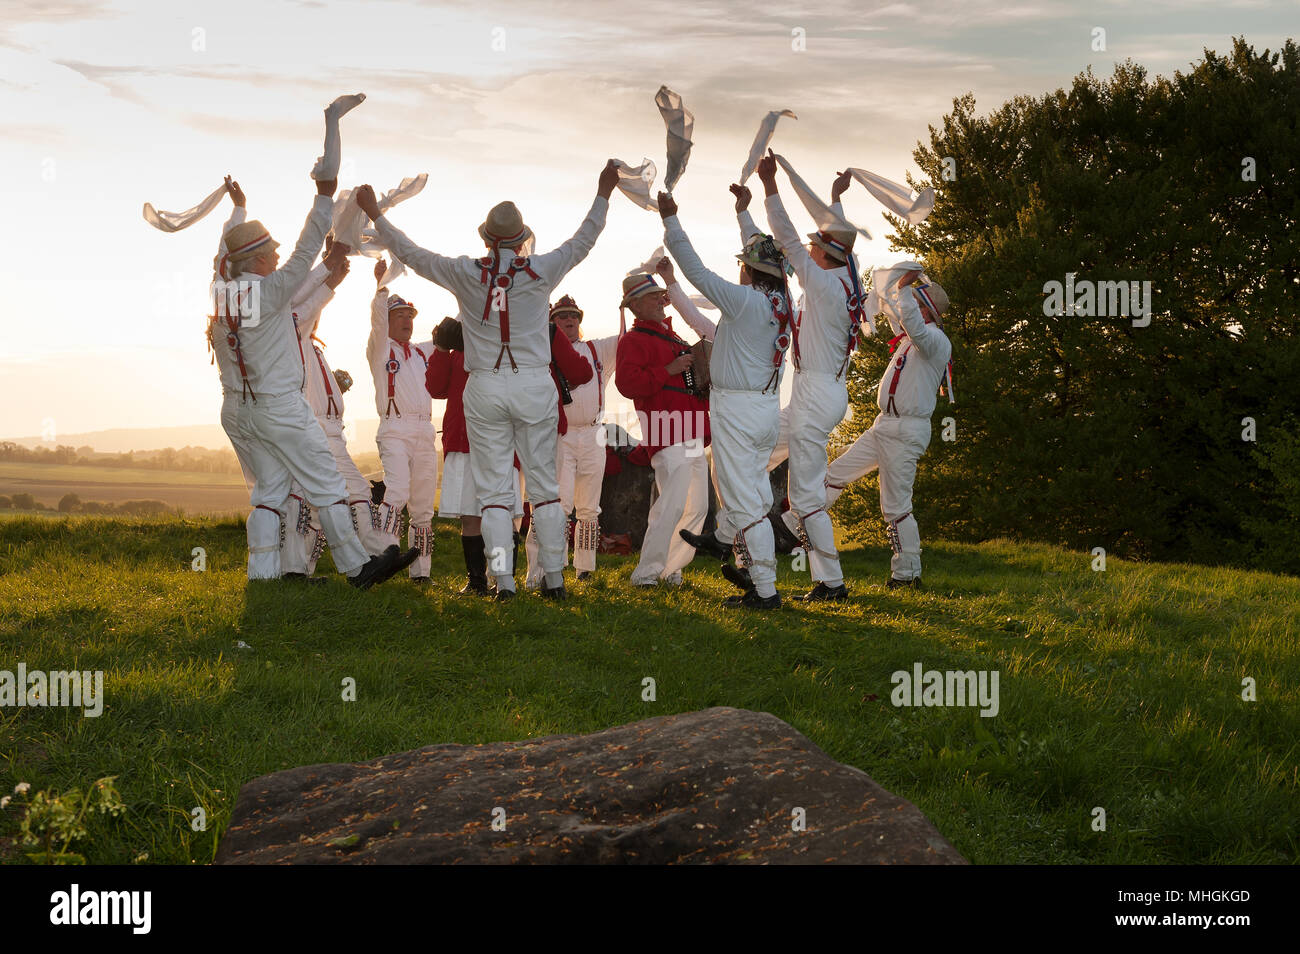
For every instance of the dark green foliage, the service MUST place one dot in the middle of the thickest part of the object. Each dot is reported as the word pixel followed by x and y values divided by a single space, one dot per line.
pixel 1088 431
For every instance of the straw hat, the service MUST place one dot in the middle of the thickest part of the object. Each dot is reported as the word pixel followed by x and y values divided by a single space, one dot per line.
pixel 505 226
pixel 244 241
pixel 836 243
pixel 638 284
pixel 938 298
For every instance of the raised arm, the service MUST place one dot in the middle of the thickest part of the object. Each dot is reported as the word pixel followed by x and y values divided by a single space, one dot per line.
pixel 929 341
pixel 554 265
pixel 306 315
pixel 279 286
pixel 439 269
pixel 378 315
pixel 729 297
pixel 748 229
pixel 681 301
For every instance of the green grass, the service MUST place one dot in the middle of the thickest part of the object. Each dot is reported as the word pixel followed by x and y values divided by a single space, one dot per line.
pixel 1119 689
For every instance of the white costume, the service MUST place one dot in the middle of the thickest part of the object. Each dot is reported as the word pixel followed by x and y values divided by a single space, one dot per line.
pixel 406 438
pixel 744 407
pixel 284 442
pixel 580 453
pixel 510 399
pixel 325 398
pixel 901 432
pixel 824 339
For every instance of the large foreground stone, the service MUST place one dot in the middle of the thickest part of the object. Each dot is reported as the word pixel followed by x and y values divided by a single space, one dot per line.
pixel 721 785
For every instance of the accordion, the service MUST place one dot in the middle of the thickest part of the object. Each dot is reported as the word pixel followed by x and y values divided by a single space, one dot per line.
pixel 697 376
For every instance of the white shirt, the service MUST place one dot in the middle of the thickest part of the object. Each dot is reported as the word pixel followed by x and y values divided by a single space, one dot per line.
pixel 747 329
pixel 272 358
pixel 410 396
pixel 824 326
pixel 919 361
pixel 588 405
pixel 227 366
pixel 529 299
pixel 318 377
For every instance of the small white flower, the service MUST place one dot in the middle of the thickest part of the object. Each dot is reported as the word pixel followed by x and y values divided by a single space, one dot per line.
pixel 4 802
pixel 22 787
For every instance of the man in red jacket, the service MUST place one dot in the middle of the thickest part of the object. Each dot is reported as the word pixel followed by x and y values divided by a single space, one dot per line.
pixel 654 369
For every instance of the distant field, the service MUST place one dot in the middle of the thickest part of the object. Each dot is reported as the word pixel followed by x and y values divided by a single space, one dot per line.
pixel 193 492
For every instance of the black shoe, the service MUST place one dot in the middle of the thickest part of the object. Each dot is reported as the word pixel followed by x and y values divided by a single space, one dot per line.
pixel 737 576
pixel 504 596
pixel 476 585
pixel 303 578
pixel 822 592
pixel 585 575
pixel 751 600
pixel 708 542
pixel 419 580
pixel 554 592
pixel 895 584
pixel 380 568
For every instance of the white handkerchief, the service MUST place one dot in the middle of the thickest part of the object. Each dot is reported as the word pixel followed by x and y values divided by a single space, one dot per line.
pixel 635 182
pixel 702 303
pixel 327 166
pixel 766 129
pixel 825 217
pixel 175 221
pixel 395 270
pixel 896 197
pixel 349 226
pixel 648 266
pixel 680 124
pixel 883 297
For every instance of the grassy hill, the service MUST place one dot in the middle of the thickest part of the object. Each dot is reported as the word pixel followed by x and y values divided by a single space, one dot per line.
pixel 1119 689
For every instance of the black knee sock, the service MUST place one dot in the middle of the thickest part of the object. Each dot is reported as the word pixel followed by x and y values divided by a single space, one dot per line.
pixel 475 556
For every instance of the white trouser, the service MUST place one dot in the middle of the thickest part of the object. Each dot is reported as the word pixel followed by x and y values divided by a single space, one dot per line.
pixel 287 445
pixel 745 426
pixel 298 542
pixel 515 411
pixel 817 405
pixel 682 485
pixel 893 445
pixel 365 513
pixel 409 453
pixel 782 449
pixel 580 474
pixel 263 526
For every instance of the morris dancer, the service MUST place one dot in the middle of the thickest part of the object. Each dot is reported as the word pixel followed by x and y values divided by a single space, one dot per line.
pixel 824 339
pixel 446 380
pixel 406 438
pixel 906 395
pixel 581 464
pixel 748 357
pixel 504 300
pixel 285 441
pixel 324 389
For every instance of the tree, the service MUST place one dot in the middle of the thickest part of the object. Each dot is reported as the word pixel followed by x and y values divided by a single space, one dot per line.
pixel 1087 430
pixel 70 503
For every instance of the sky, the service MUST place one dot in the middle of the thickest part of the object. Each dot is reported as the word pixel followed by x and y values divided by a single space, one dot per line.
pixel 107 105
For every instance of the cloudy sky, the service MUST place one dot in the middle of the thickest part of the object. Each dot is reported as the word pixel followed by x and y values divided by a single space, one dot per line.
pixel 107 105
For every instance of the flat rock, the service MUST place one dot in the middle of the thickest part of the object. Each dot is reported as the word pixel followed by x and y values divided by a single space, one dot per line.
pixel 717 786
